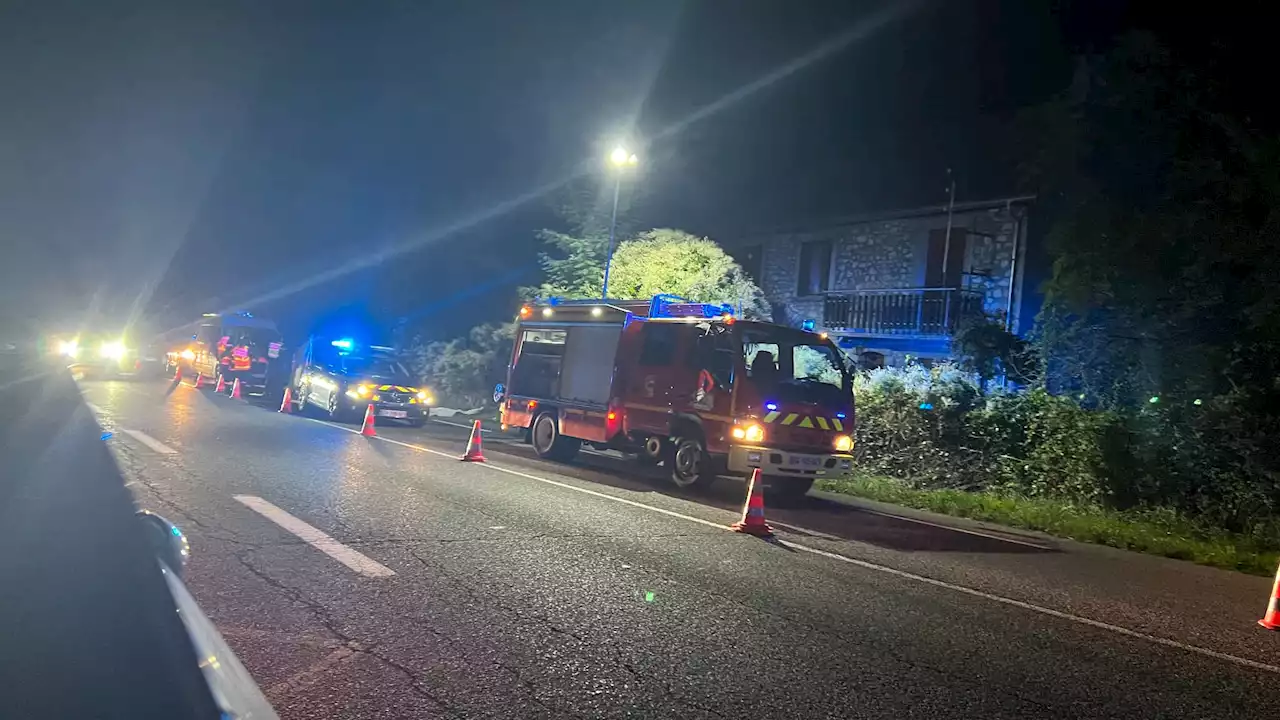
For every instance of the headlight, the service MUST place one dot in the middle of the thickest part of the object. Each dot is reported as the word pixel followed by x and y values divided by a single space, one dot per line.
pixel 843 443
pixel 111 350
pixel 188 354
pixel 751 432
pixel 425 397
pixel 362 390
pixel 70 348
pixel 422 395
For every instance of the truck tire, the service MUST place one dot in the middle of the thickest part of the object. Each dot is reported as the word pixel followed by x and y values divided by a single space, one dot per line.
pixel 549 443
pixel 688 463
pixel 653 451
pixel 788 489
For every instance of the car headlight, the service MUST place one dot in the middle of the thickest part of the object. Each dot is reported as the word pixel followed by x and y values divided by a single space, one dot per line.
pixel 362 390
pixel 188 354
pixel 111 350
pixel 751 432
pixel 843 443
pixel 70 348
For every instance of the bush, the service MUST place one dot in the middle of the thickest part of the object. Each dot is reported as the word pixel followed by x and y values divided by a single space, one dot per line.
pixel 1211 462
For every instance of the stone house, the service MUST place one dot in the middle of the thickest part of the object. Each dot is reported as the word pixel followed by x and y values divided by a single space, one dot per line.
pixel 893 285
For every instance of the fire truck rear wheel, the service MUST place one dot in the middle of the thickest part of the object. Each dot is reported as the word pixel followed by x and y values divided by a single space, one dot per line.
pixel 687 460
pixel 549 443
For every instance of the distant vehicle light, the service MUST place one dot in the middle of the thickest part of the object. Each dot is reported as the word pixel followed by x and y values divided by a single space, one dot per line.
pixel 422 394
pixel 822 335
pixel 112 350
pixel 344 343
pixel 843 443
pixel 70 348
pixel 611 415
pixel 187 354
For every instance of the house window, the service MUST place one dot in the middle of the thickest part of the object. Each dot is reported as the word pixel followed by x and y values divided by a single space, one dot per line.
pixel 815 267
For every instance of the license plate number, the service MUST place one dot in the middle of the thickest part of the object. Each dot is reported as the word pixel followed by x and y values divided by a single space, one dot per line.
pixel 804 461
pixel 393 413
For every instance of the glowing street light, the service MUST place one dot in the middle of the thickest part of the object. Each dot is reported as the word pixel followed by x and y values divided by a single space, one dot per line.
pixel 621 158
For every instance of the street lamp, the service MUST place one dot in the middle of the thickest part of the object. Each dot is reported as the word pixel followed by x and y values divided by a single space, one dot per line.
pixel 621 159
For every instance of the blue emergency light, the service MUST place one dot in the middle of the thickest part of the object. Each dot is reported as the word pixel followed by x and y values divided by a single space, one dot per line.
pixel 344 343
pixel 808 325
pixel 670 306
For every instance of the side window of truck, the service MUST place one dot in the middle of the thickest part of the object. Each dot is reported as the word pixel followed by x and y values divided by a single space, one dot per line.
pixel 714 353
pixel 658 346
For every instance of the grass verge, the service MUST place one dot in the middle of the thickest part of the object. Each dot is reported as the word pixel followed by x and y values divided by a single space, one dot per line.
pixel 1158 532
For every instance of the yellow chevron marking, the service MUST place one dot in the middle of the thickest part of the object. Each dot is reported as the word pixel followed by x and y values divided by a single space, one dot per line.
pixel 839 426
pixel 822 422
pixel 806 422
pixel 771 416
pixel 790 419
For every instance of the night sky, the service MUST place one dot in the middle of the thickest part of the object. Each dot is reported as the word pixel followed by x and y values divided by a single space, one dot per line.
pixel 164 159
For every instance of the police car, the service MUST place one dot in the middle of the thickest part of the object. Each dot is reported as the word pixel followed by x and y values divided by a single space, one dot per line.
pixel 341 378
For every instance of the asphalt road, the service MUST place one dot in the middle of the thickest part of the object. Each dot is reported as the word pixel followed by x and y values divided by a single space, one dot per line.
pixel 382 578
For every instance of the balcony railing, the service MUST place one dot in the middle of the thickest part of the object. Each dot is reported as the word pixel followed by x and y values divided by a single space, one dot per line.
pixel 911 311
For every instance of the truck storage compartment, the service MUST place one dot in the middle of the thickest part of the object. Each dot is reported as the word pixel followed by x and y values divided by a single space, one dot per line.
pixel 587 373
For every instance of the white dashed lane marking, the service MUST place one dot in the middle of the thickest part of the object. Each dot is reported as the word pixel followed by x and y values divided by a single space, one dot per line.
pixel 357 561
pixel 149 441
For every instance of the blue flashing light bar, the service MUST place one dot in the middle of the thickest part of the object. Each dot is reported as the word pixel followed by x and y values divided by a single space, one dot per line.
pixel 808 325
pixel 344 343
pixel 771 406
pixel 670 306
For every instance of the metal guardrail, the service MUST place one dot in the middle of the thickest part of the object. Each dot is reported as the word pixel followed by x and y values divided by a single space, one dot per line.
pixel 905 311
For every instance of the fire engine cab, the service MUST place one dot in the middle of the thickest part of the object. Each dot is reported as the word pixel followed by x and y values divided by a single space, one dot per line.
pixel 683 383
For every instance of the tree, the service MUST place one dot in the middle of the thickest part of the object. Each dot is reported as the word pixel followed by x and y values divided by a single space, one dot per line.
pixel 574 260
pixel 464 370
pixel 1165 206
pixel 674 261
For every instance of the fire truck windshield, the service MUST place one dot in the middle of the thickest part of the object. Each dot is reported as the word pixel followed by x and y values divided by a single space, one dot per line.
pixel 797 365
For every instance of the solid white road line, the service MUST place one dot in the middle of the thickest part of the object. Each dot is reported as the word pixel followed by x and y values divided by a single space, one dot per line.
pixel 1098 624
pixel 149 441
pixel 359 562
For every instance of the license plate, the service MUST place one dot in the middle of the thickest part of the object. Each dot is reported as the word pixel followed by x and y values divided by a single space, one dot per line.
pixel 804 461
pixel 393 413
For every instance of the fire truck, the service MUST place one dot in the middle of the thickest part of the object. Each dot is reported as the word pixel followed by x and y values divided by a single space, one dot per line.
pixel 683 383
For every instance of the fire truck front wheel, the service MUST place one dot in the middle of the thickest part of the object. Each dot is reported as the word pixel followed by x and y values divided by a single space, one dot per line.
pixel 688 462
pixel 549 443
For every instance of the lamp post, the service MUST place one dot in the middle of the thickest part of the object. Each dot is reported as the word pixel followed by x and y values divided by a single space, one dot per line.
pixel 620 159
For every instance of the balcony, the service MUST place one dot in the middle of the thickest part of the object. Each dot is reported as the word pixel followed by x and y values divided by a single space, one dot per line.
pixel 910 312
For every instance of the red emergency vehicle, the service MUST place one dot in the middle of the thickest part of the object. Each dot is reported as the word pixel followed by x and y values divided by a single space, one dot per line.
pixel 681 382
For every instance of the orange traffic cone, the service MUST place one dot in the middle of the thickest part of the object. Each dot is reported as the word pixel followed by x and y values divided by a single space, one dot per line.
pixel 199 380
pixel 221 387
pixel 286 405
pixel 475 447
pixel 752 521
pixel 177 375
pixel 367 428
pixel 235 389
pixel 1271 620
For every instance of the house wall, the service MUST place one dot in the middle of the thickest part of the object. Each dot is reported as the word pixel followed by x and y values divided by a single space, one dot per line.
pixel 891 254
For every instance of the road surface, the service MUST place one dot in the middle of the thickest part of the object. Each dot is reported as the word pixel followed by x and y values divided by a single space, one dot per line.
pixel 362 578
